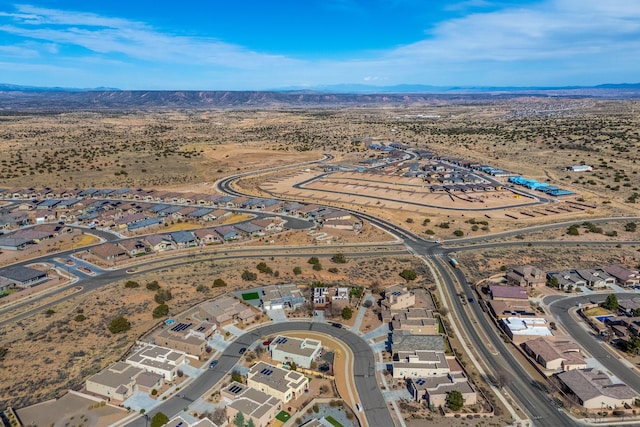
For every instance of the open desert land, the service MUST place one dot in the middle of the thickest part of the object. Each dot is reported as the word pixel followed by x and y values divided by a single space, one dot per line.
pixel 188 150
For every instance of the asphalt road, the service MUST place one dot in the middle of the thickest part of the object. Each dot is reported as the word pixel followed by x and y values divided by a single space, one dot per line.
pixel 371 399
pixel 89 284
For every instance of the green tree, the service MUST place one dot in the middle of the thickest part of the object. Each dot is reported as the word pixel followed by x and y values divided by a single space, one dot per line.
pixel 219 283
pixel 249 276
pixel 425 222
pixel 317 267
pixel 131 284
pixel 553 282
pixel 153 286
pixel 119 324
pixel 314 260
pixel 455 400
pixel 80 318
pixel 293 366
pixel 297 270
pixel 356 292
pixel 250 423
pixel 631 226
pixel 458 233
pixel 408 275
pixel 611 303
pixel 339 259
pixel 238 420
pixel 236 376
pixel 160 311
pixel 347 313
pixel 159 420
pixel 162 296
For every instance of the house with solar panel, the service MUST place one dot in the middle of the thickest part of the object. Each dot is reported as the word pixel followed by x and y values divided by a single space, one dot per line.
pixel 284 384
pixel 398 297
pixel 189 337
pixel 259 406
pixel 295 350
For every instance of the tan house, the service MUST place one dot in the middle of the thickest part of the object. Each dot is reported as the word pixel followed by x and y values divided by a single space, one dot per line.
pixel 594 389
pixel 555 354
pixel 120 380
pixel 433 390
pixel 397 298
pixel 259 406
pixel 224 311
pixel 109 252
pixel 420 363
pixel 526 275
pixel 281 383
pixel 415 321
pixel 190 338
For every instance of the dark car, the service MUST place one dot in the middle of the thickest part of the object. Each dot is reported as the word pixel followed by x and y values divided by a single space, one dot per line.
pixel 470 299
pixel 242 350
pixel 336 325
pixel 213 364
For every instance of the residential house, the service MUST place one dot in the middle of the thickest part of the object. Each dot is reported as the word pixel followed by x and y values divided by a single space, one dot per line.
pixel 594 389
pixel 159 360
pixel 281 383
pixel 117 382
pixel 623 275
pixel 159 242
pixel 302 352
pixel 519 329
pixel 134 247
pixel 420 363
pixel 190 338
pixel 206 236
pixel 255 405
pixel 398 297
pixel 415 321
pixel 527 276
pixel 433 390
pixel 508 293
pixel 555 354
pixel 184 239
pixel 285 296
pixel 224 311
pixel 227 232
pixel 109 252
pixel 23 277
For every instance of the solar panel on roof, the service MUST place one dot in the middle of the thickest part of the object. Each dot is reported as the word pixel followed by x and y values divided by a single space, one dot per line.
pixel 420 382
pixel 266 371
pixel 396 293
pixel 234 389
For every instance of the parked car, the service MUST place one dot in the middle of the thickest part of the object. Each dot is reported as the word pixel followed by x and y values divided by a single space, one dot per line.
pixel 336 325
pixel 242 350
pixel 213 364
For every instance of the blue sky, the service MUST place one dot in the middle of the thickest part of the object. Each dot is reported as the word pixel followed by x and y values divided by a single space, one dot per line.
pixel 258 45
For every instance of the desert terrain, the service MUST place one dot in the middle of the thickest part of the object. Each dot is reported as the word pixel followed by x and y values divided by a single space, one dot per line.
pixel 189 150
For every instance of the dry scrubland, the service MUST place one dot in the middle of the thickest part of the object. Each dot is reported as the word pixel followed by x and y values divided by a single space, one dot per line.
pixel 188 150
pixel 52 352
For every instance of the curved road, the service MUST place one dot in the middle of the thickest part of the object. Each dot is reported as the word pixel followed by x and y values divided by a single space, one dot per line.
pixel 371 399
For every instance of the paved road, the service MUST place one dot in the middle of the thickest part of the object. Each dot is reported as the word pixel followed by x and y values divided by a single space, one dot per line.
pixel 88 284
pixel 560 306
pixel 370 396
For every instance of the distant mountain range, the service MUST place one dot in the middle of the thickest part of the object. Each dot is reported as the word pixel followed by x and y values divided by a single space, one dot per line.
pixel 15 97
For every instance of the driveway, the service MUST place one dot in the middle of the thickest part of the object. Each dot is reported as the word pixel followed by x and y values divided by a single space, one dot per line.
pixel 140 400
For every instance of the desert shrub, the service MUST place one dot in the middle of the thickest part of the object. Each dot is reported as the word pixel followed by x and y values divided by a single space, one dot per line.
pixel 119 324
pixel 160 311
